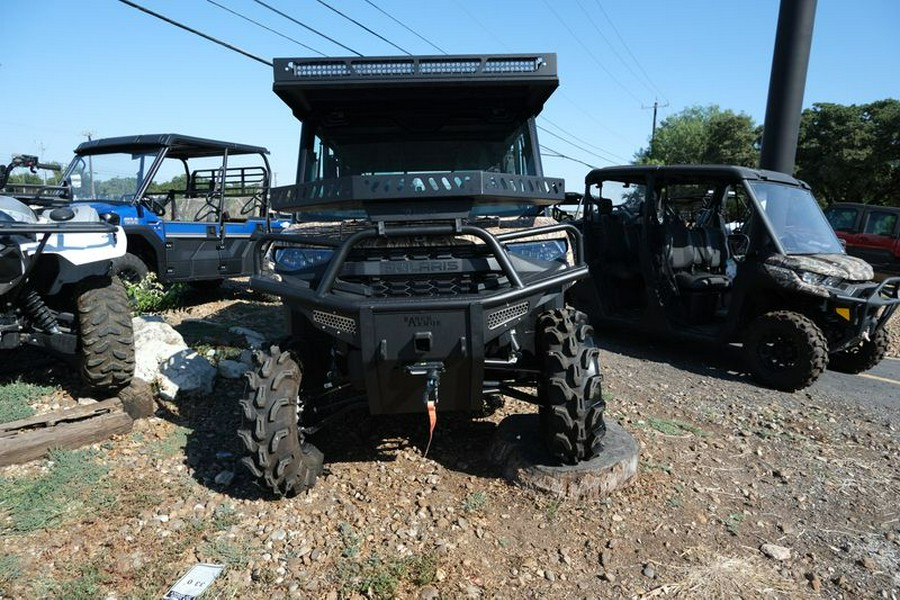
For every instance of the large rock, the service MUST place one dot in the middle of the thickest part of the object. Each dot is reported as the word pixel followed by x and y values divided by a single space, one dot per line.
pixel 517 450
pixel 162 357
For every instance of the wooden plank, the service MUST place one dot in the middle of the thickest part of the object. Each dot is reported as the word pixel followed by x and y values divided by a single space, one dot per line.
pixel 77 413
pixel 30 443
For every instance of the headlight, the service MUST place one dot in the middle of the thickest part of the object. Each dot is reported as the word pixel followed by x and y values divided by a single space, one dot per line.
pixel 818 279
pixel 811 278
pixel 298 259
pixel 544 250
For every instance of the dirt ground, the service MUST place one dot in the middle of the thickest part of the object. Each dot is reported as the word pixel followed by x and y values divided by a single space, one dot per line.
pixel 741 492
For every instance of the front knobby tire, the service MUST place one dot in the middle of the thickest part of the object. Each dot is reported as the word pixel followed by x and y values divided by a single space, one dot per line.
pixel 129 268
pixel 105 335
pixel 572 404
pixel 862 356
pixel 277 455
pixel 785 350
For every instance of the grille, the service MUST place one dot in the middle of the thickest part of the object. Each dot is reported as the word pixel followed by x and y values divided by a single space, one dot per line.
pixel 505 315
pixel 339 322
pixel 457 284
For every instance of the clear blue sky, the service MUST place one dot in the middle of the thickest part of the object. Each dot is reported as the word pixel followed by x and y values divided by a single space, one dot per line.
pixel 100 66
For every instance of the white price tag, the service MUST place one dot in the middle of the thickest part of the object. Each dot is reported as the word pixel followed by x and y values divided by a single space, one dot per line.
pixel 194 582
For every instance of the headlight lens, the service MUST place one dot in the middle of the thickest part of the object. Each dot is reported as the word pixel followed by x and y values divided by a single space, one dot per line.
pixel 543 250
pixel 812 278
pixel 291 259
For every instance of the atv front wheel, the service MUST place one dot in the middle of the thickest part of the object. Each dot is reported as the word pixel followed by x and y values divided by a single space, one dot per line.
pixel 105 335
pixel 277 454
pixel 572 404
pixel 863 356
pixel 785 350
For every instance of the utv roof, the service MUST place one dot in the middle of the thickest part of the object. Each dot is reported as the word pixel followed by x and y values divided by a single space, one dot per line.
pixel 419 92
pixel 180 146
pixel 637 173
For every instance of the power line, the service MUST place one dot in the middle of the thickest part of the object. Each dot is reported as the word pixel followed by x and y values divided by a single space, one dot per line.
pixel 195 32
pixel 558 154
pixel 237 14
pixel 573 144
pixel 405 26
pixel 627 49
pixel 613 48
pixel 358 24
pixel 590 52
pixel 305 26
pixel 583 141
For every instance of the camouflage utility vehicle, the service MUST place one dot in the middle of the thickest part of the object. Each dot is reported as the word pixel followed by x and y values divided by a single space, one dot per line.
pixel 422 275
pixel 732 255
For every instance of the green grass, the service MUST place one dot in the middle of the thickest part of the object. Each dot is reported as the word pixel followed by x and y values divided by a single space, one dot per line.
pixel 475 502
pixel 73 486
pixel 221 551
pixel 16 398
pixel 674 427
pixel 86 583
pixel 9 570
pixel 382 579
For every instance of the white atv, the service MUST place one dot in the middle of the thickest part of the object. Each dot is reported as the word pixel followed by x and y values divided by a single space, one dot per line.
pixel 56 291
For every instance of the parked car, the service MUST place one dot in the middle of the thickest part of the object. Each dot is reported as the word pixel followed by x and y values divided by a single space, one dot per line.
pixel 188 205
pixel 869 232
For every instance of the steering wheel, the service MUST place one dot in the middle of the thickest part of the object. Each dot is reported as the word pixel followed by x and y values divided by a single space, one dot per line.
pixel 209 208
pixel 251 204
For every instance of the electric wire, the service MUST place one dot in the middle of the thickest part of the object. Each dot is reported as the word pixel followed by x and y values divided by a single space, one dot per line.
pixel 591 53
pixel 358 24
pixel 258 24
pixel 613 48
pixel 195 32
pixel 558 154
pixel 405 26
pixel 582 140
pixel 573 144
pixel 628 50
pixel 305 26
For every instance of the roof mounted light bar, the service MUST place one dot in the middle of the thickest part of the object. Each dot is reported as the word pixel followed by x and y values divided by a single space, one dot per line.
pixel 542 65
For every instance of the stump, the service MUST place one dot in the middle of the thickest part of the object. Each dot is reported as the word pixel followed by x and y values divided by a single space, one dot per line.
pixel 517 450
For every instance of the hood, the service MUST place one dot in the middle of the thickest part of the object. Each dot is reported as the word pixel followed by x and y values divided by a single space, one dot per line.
pixel 841 266
pixel 15 211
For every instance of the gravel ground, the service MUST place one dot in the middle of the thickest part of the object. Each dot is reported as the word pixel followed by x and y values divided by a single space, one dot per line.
pixel 741 492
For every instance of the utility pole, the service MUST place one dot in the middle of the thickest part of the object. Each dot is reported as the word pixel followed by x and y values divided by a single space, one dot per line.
pixel 655 106
pixel 786 85
pixel 88 135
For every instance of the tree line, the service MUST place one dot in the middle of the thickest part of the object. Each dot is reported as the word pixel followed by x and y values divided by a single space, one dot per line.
pixel 845 153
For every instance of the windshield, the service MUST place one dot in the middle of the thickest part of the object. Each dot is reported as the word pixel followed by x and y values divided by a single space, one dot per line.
pixel 114 177
pixel 412 152
pixel 797 221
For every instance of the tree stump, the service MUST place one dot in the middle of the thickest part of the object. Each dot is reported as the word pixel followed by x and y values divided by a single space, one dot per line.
pixel 517 450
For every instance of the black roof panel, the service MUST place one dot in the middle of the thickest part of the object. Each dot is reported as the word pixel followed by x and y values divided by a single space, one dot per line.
pixel 180 146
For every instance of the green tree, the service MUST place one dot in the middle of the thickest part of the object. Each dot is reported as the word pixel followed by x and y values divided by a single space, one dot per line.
pixel 704 135
pixel 851 153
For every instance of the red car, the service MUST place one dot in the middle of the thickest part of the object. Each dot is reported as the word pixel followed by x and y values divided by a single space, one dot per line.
pixel 869 232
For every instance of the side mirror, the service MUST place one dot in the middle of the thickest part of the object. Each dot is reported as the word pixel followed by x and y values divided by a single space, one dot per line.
pixel 738 244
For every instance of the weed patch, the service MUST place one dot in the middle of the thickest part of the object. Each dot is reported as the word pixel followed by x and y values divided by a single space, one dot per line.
pixel 16 398
pixel 149 296
pixel 72 486
pixel 383 579
pixel 674 427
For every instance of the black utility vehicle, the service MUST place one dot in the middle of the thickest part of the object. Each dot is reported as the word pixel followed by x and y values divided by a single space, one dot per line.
pixel 188 205
pixel 423 274
pixel 732 254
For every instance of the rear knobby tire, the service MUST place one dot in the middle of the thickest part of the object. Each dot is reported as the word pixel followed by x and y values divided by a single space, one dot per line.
pixel 785 350
pixel 105 335
pixel 863 356
pixel 572 404
pixel 277 455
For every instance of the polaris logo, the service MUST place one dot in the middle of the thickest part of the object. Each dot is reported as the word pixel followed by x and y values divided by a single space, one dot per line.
pixel 422 321
pixel 421 266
